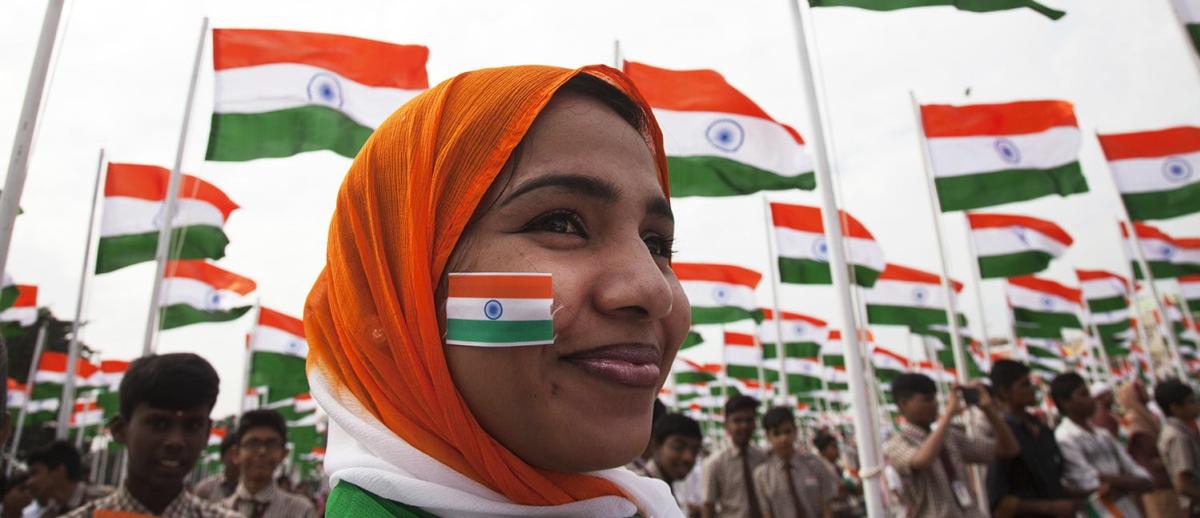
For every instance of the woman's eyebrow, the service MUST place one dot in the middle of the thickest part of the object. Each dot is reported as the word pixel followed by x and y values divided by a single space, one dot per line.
pixel 598 188
pixel 659 206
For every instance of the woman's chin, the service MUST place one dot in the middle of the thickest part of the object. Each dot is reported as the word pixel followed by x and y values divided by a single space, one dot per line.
pixel 586 441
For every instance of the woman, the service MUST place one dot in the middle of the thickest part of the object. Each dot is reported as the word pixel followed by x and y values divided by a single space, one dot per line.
pixel 1143 428
pixel 521 169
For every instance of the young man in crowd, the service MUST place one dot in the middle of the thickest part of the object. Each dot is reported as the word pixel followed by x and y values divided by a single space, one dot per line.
pixel 639 464
pixel 1030 483
pixel 1179 442
pixel 676 441
pixel 165 401
pixel 1103 417
pixel 219 486
pixel 791 484
pixel 729 475
pixel 261 447
pixel 56 477
pixel 827 450
pixel 1093 460
pixel 930 460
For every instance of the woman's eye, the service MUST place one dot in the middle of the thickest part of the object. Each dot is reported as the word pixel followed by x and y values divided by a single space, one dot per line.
pixel 558 222
pixel 659 246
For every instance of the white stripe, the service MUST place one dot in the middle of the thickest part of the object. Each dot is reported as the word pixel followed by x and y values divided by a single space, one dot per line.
pixel 279 86
pixel 57 378
pixel 1040 301
pixel 1110 317
pixel 742 355
pixel 24 315
pixel 124 215
pixel 710 294
pixel 1102 288
pixel 801 366
pixel 810 245
pixel 906 293
pixel 756 142
pixel 269 339
pixel 1156 174
pixel 794 331
pixel 1015 239
pixel 8 280
pixel 956 156
pixel 511 310
pixel 1157 250
pixel 1191 290
pixel 202 296
pixel 43 405
pixel 1189 11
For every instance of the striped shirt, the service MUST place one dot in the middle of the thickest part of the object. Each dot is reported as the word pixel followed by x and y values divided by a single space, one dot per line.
pixel 927 492
pixel 272 502
pixel 186 505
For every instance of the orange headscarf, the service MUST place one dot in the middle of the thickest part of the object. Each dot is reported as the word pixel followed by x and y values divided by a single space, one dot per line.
pixel 370 319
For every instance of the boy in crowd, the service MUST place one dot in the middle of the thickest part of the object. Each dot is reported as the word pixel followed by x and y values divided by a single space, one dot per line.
pixel 1093 460
pixel 827 449
pixel 676 440
pixel 163 420
pixel 56 477
pixel 791 484
pixel 1179 442
pixel 930 460
pixel 261 447
pixel 639 464
pixel 219 486
pixel 1030 483
pixel 728 476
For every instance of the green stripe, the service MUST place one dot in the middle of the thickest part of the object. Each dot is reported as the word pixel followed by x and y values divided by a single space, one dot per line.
pixel 1042 352
pixel 499 331
pixel 833 360
pixel 1012 265
pixel 199 242
pixel 1193 30
pixel 1046 318
pixel 178 315
pixel 691 340
pixel 723 315
pixel 1163 204
pixel 1034 330
pixel 350 501
pixel 236 137
pixel 282 374
pixel 979 6
pixel 1115 328
pixel 742 372
pixel 8 297
pixel 794 270
pixel 794 350
pixel 693 378
pixel 907 316
pixel 719 176
pixel 1165 270
pixel 1107 304
pixel 797 383
pixel 975 191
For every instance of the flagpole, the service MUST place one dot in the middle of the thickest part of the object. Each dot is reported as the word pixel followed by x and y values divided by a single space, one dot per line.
pixel 1187 311
pixel 249 357
pixel 164 232
pixel 30 382
pixel 1105 369
pixel 81 300
pixel 977 286
pixel 618 60
pixel 18 162
pixel 936 206
pixel 777 315
pixel 869 463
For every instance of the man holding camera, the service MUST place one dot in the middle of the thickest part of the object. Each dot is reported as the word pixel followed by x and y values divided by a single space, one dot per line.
pixel 931 459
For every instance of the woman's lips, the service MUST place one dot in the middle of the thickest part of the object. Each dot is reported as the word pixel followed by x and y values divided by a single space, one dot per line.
pixel 632 365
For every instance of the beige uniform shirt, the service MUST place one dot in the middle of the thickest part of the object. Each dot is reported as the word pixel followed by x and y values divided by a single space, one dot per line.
pixel 928 492
pixel 814 486
pixel 1180 450
pixel 724 483
pixel 275 503
pixel 186 505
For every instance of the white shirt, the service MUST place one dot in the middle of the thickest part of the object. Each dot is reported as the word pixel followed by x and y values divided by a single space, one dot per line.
pixel 1090 453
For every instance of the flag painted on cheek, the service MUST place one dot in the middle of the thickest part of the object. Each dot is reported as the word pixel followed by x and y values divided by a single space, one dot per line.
pixel 499 309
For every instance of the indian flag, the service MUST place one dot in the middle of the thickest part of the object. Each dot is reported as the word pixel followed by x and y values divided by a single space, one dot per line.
pixel 304 403
pixel 1045 302
pixel 991 154
pixel 134 203
pixel 743 357
pixel 906 296
pixel 804 254
pixel 1103 291
pixel 1167 256
pixel 1011 245
pixel 87 414
pixel 499 309
pixel 979 6
pixel 8 294
pixel 1189 14
pixel 1189 289
pixel 691 340
pixel 887 363
pixel 111 373
pixel 195 291
pixel 1156 171
pixel 718 141
pixel 687 372
pixel 278 352
pixel 719 293
pixel 801 336
pixel 23 310
pixel 279 93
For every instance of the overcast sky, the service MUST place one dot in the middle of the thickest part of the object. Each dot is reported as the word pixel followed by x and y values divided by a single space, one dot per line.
pixel 121 78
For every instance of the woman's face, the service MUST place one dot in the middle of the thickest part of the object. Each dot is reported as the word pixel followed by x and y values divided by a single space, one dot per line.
pixel 582 202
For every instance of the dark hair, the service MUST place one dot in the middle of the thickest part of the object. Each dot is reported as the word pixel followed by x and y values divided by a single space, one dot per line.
pixel 262 418
pixel 740 402
pixel 909 384
pixel 176 381
pixel 776 417
pixel 675 424
pixel 660 410
pixel 230 440
pixel 1171 392
pixel 60 453
pixel 1063 385
pixel 1006 372
pixel 609 95
pixel 823 440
